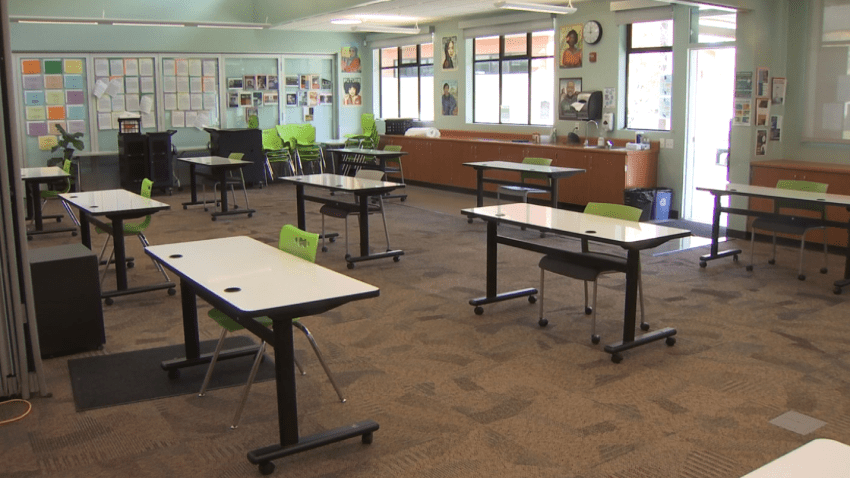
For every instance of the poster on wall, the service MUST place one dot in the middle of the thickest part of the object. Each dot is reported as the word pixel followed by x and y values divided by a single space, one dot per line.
pixel 761 142
pixel 762 81
pixel 777 91
pixel 776 128
pixel 351 87
pixel 450 53
pixel 569 89
pixel 744 84
pixel 570 42
pixel 743 112
pixel 350 59
pixel 449 98
pixel 762 110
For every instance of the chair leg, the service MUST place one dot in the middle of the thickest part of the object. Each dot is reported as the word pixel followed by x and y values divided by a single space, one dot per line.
pixel 347 254
pixel 145 244
pixel 244 190
pixel 254 368
pixel 540 320
pixel 71 213
pixel 298 366
pixel 773 255
pixel 824 269
pixel 212 362
pixel 324 247
pixel 384 217
pixel 593 336
pixel 315 346
pixel 800 274
pixel 204 190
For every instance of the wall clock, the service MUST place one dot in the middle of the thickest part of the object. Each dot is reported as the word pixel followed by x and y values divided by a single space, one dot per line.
pixel 592 32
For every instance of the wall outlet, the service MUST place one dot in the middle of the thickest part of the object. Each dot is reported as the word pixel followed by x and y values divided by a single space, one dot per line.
pixel 668 143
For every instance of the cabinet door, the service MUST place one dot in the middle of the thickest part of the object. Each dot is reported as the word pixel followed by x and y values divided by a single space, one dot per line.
pixel 572 190
pixel 607 174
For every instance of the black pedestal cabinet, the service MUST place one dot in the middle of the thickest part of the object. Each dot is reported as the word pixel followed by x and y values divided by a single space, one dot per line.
pixel 66 288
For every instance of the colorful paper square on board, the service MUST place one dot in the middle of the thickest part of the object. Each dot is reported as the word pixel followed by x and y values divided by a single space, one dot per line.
pixel 53 67
pixel 51 127
pixel 55 112
pixel 35 113
pixel 74 66
pixel 53 81
pixel 34 98
pixel 36 128
pixel 75 112
pixel 74 97
pixel 73 81
pixel 46 143
pixel 54 97
pixel 31 67
pixel 33 82
pixel 77 126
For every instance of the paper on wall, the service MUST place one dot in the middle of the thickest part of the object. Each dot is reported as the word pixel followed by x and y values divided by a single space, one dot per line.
pixel 131 102
pixel 203 120
pixel 118 103
pixel 76 126
pixel 116 67
pixel 184 101
pixel 169 84
pixel 169 67
pixel 209 101
pixel 197 101
pixel 191 118
pixel 35 113
pixel 146 66
pixel 209 83
pixel 46 143
pixel 104 104
pixel 131 84
pixel 146 104
pixel 101 67
pixel 114 122
pixel 209 67
pixel 99 88
pixel 178 119
pixel 169 101
pixel 182 84
pixel 181 67
pixel 148 120
pixel 114 87
pixel 195 84
pixel 104 121
pixel 131 66
pixel 146 84
pixel 195 67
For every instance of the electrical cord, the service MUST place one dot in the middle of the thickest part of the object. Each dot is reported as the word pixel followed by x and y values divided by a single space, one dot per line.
pixel 14 419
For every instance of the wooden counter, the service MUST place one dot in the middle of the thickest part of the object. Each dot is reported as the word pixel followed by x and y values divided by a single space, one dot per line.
pixel 767 173
pixel 439 161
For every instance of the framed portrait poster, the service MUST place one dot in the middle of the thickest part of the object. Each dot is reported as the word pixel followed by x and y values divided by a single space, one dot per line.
pixel 568 90
pixel 449 53
pixel 570 45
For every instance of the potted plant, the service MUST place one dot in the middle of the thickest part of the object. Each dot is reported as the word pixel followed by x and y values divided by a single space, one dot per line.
pixel 67 143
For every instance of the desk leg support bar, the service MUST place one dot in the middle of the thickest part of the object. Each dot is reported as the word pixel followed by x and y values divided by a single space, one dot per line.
pixel 715 236
pixel 492 266
pixel 842 283
pixel 287 410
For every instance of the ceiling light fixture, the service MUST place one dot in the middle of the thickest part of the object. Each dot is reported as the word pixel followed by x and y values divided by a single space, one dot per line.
pixel 134 22
pixel 58 22
pixel 537 7
pixel 385 29
pixel 145 24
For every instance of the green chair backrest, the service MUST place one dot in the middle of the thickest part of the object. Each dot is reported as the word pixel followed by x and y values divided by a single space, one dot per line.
pixel 298 243
pixel 254 122
pixel 305 134
pixel 236 155
pixel 392 147
pixel 367 122
pixel 616 211
pixel 272 140
pixel 538 162
pixel 130 228
pixel 287 133
pixel 800 185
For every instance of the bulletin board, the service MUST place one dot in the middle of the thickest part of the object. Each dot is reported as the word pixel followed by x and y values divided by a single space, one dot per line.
pixel 52 92
pixel 122 84
pixel 253 87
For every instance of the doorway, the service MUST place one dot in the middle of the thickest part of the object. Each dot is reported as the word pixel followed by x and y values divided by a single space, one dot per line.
pixel 710 109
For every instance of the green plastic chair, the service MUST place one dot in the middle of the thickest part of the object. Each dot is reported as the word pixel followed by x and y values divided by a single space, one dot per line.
pixel 129 229
pixel 792 224
pixel 369 138
pixel 300 244
pixel 397 168
pixel 307 151
pixel 590 273
pixel 524 191
pixel 49 194
pixel 275 153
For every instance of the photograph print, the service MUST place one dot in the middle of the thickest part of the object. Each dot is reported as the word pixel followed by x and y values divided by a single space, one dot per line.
pixel 291 99
pixel 249 82
pixel 450 53
pixel 271 82
pixel 570 41
pixel 292 80
pixel 233 99
pixel 568 90
pixel 235 83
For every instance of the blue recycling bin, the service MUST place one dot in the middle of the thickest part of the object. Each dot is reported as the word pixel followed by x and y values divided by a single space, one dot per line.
pixel 661 204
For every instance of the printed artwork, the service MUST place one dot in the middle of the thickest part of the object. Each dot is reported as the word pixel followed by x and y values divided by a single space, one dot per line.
pixel 54 94
pixel 190 89
pixel 570 45
pixel 351 87
pixel 122 86
pixel 568 90
pixel 350 58
pixel 450 53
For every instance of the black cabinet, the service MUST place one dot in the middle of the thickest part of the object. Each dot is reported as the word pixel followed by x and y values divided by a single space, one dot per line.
pixel 143 156
pixel 66 289
pixel 246 141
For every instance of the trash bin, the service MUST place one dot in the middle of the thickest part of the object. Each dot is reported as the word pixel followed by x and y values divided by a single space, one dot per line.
pixel 641 198
pixel 661 204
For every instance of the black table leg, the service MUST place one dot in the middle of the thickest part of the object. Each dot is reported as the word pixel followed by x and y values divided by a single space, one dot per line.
pixel 842 283
pixel 120 253
pixel 299 206
pixel 492 273
pixel 715 238
pixel 479 190
pixel 364 225
pixel 554 184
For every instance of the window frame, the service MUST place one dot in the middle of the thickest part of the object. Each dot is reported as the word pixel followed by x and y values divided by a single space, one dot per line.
pixel 528 56
pixel 398 66
pixel 630 50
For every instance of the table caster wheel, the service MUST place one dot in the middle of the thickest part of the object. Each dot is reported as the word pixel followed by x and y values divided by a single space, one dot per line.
pixel 588 310
pixel 108 301
pixel 595 339
pixel 324 249
pixel 266 468
pixel 29 238
pixel 616 358
pixel 131 265
pixel 174 374
pixel 478 310
pixel 367 438
pixel 836 290
pixel 532 299
pixel 172 291
pixel 58 219
pixel 735 258
pixel 670 341
pixel 403 199
pixel 801 277
pixel 823 270
pixel 332 239
pixel 469 221
pixel 347 256
pixel 250 214
pixel 702 264
pixel 644 326
pixel 351 265
pixel 185 207
pixel 74 234
pixel 749 268
pixel 213 218
pixel 772 261
pixel 396 258
pixel 543 322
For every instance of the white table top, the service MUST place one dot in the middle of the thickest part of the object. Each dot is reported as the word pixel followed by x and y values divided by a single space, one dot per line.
pixel 50 172
pixel 101 203
pixel 213 161
pixel 368 152
pixel 776 193
pixel 268 280
pixel 339 182
pixel 523 167
pixel 819 458
pixel 628 234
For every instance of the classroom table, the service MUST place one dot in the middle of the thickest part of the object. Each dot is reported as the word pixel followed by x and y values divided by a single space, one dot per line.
pixel 746 190
pixel 553 173
pixel 820 458
pixel 362 189
pixel 268 282
pixel 218 167
pixel 116 205
pixel 631 236
pixel 33 179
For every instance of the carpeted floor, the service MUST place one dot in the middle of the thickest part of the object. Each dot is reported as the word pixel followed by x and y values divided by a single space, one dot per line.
pixel 461 395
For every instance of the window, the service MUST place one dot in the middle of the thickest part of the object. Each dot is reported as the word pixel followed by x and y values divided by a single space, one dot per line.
pixel 407 82
pixel 711 25
pixel 649 75
pixel 514 77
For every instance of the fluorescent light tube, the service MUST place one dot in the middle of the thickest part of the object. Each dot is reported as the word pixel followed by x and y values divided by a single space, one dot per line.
pixel 537 7
pixel 385 29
